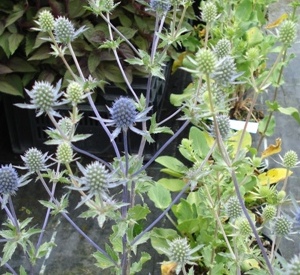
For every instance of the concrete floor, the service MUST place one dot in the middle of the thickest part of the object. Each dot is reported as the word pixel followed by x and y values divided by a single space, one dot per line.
pixel 75 260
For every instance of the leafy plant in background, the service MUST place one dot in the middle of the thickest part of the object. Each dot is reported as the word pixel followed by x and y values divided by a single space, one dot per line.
pixel 213 230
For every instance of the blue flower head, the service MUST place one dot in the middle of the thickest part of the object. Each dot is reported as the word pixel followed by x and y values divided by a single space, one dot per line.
pixel 124 116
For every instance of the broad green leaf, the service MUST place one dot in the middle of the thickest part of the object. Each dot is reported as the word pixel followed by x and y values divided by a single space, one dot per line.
pixel 235 139
pixel 159 237
pixel 172 163
pixel 184 211
pixel 138 212
pixel 111 252
pixel 4 69
pixel 75 9
pixel 4 43
pixel 13 17
pixel 11 84
pixel 199 143
pixel 174 185
pixel 254 36
pixel 127 32
pixel 291 111
pixel 160 196
pixel 271 126
pixel 93 61
pixel 18 64
pixel 41 54
pixel 189 226
pixel 14 41
pixel 243 10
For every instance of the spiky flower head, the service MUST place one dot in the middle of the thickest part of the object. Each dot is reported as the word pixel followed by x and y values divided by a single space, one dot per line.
pixel 181 253
pixel 64 153
pixel 160 6
pixel 124 115
pixel 243 226
pixel 225 72
pixel 96 177
pixel 74 92
pixel 233 208
pixel 96 180
pixel 9 180
pixel 46 21
pixel 64 30
pixel 223 123
pixel 35 160
pixel 269 212
pixel 223 48
pixel 293 267
pixel 65 125
pixel 287 32
pixel 209 12
pixel 290 159
pixel 100 6
pixel 253 54
pixel 282 226
pixel 123 112
pixel 206 61
pixel 43 97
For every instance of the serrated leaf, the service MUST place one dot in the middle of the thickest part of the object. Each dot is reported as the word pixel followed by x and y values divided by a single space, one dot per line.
pixel 93 61
pixel 4 43
pixel 102 260
pixel 44 249
pixel 127 32
pixel 138 212
pixel 160 196
pixel 8 250
pixel 41 54
pixel 137 266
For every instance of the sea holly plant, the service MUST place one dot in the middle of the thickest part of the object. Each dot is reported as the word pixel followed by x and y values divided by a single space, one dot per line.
pixel 213 212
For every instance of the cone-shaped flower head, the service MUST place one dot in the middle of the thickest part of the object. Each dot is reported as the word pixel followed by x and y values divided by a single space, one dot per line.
pixel 64 30
pixel 282 226
pixel 35 160
pixel 290 159
pixel 209 12
pixel 253 54
pixel 124 115
pixel 181 253
pixel 64 153
pixel 243 226
pixel 223 123
pixel 65 125
pixel 223 48
pixel 293 267
pixel 43 97
pixel 74 92
pixel 46 21
pixel 225 72
pixel 287 32
pixel 206 60
pixel 9 180
pixel 269 212
pixel 233 208
pixel 160 6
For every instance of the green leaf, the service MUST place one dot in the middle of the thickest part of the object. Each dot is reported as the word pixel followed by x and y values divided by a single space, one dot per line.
pixel 102 261
pixel 93 61
pixel 271 126
pixel 189 226
pixel 41 54
pixel 138 212
pixel 159 237
pixel 14 41
pixel 11 84
pixel 20 65
pixel 184 211
pixel 160 196
pixel 75 9
pixel 13 17
pixel 172 164
pixel 291 111
pixel 235 139
pixel 243 10
pixel 137 266
pixel 4 43
pixel 199 143
pixel 174 185
pixel 127 32
pixel 4 69
pixel 8 250
pixel 45 248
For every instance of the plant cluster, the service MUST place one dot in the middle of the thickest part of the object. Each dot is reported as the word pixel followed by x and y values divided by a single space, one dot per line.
pixel 216 197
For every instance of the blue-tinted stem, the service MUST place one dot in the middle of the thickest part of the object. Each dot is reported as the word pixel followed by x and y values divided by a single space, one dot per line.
pixel 13 213
pixel 7 211
pixel 9 268
pixel 75 225
pixel 160 150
